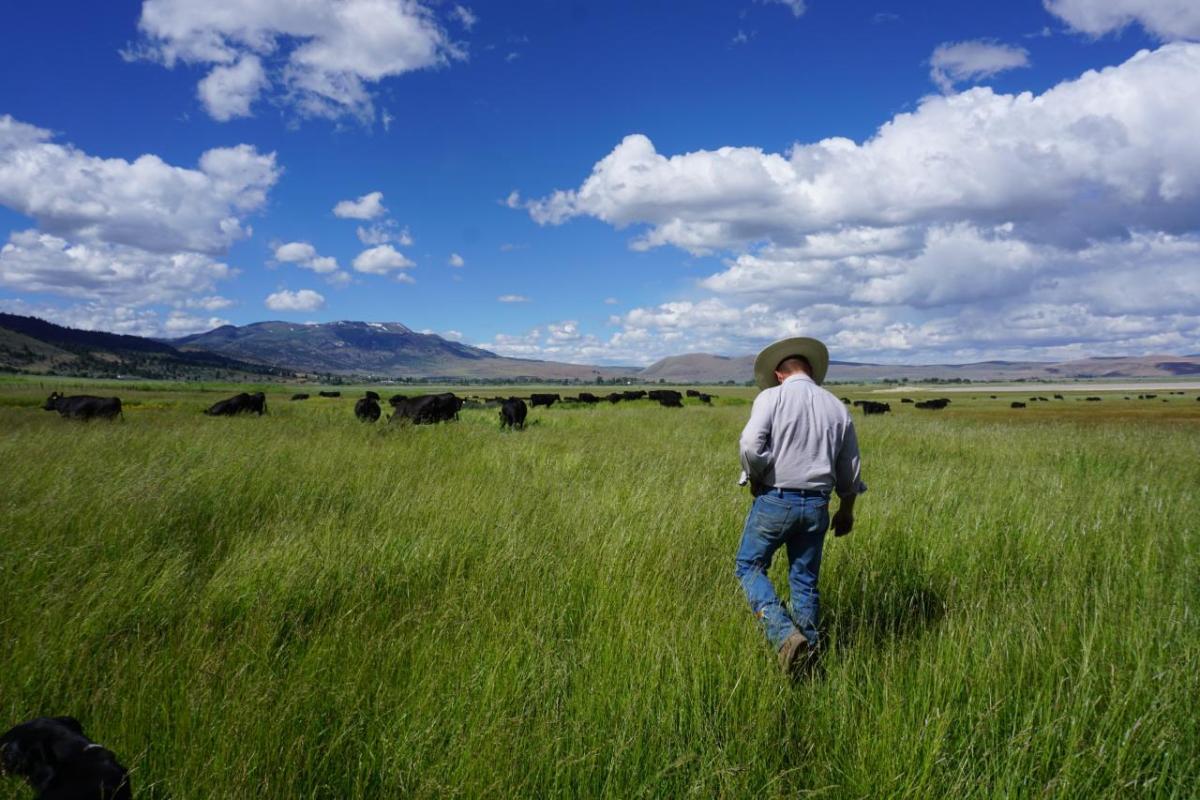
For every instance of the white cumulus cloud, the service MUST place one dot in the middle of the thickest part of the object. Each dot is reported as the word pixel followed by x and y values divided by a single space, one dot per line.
pixel 33 261
pixel 979 225
pixel 330 53
pixel 145 203
pixel 302 300
pixel 1164 19
pixel 456 260
pixel 956 62
pixel 381 260
pixel 369 206
pixel 116 319
pixel 229 91
pixel 305 255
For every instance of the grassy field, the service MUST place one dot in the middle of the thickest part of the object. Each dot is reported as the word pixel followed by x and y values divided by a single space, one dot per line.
pixel 301 606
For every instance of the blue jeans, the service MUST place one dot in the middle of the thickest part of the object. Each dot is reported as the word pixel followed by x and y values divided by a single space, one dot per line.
pixel 799 521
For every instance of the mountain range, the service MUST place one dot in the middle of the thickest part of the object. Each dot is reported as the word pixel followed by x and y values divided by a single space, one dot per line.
pixel 390 350
pixel 708 368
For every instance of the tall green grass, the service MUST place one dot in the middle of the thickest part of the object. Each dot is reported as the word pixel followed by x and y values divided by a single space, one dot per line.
pixel 302 606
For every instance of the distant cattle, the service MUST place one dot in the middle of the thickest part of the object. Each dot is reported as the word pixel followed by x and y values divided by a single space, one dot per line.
pixel 1016 404
pixel 992 396
pixel 239 404
pixel 546 400
pixel 846 400
pixel 84 406
pixel 935 404
pixel 512 413
pixel 588 397
pixel 330 394
pixel 1146 396
pixel 905 399
pixel 1093 399
pixel 871 407
pixel 638 395
pixel 666 394
pixel 299 397
pixel 425 409
pixel 1058 397
pixel 705 398
pixel 614 397
pixel 692 393
pixel 371 395
pixel 367 408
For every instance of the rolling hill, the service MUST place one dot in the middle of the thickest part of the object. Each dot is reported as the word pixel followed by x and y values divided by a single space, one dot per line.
pixel 708 368
pixel 29 344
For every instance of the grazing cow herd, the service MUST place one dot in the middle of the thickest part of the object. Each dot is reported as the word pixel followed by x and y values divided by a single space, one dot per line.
pixel 428 409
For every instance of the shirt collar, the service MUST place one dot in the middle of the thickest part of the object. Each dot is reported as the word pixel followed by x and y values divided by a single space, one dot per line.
pixel 798 376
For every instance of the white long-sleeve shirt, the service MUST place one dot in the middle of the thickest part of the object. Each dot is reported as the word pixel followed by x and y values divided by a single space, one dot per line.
pixel 801 437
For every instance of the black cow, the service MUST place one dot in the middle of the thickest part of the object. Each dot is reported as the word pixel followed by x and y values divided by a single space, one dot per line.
pixel 705 398
pixel 871 407
pixel 299 397
pixel 666 394
pixel 671 402
pixel 1016 404
pixel 633 395
pixel 1058 397
pixel 615 397
pixel 846 400
pixel 546 400
pixel 367 409
pixel 54 757
pixel 588 397
pixel 426 409
pixel 934 405
pixel 692 393
pixel 512 413
pixel 905 399
pixel 239 404
pixel 330 394
pixel 84 406
pixel 1093 399
pixel 372 396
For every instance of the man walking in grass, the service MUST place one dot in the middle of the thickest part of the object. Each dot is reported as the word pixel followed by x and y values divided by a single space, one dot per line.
pixel 797 449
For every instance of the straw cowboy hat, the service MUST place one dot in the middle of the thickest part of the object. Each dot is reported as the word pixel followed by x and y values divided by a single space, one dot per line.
pixel 816 353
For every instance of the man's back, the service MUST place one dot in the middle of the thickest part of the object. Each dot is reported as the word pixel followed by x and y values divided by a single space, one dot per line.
pixel 801 436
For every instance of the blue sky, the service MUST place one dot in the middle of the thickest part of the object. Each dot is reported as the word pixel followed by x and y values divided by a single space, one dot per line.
pixel 612 182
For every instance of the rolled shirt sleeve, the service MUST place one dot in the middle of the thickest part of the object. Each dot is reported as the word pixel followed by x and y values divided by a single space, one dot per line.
pixel 848 468
pixel 755 444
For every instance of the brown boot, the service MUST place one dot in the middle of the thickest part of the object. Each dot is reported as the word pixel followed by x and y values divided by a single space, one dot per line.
pixel 792 652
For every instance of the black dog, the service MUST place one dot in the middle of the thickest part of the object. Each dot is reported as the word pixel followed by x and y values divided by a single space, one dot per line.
pixel 60 763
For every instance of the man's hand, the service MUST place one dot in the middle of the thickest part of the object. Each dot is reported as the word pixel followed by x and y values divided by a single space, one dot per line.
pixel 843 521
pixel 756 488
